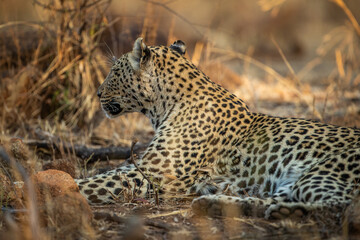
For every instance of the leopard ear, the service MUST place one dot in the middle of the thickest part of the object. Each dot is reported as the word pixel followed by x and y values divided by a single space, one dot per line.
pixel 139 55
pixel 179 46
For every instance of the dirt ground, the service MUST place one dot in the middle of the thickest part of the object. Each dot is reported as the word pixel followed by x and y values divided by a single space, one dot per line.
pixel 174 220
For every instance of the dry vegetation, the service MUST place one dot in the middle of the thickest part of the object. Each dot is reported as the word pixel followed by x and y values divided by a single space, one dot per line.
pixel 50 71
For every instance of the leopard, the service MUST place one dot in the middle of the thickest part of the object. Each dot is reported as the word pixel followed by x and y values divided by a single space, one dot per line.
pixel 207 144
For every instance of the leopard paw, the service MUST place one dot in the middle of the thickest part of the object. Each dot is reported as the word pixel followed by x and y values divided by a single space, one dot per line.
pixel 207 206
pixel 285 210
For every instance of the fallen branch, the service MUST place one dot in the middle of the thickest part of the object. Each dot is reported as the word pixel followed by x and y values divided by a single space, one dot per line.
pixel 84 152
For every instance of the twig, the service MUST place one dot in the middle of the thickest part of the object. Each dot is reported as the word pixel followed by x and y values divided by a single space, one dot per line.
pixel 142 173
pixel 65 10
pixel 163 5
pixel 133 161
pixel 26 23
pixel 168 214
pixel 267 69
pixel 349 14
pixel 250 60
pixel 285 60
pixel 84 152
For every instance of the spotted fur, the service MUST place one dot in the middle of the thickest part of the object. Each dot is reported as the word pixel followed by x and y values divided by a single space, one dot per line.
pixel 208 142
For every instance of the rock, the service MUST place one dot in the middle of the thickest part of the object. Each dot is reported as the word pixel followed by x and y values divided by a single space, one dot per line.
pixel 60 204
pixel 53 183
pixel 70 209
pixel 61 207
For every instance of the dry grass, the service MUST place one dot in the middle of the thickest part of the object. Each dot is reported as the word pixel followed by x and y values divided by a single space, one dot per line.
pixel 62 69
pixel 50 71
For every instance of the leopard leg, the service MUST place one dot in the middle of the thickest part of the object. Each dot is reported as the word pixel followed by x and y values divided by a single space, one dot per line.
pixel 327 188
pixel 117 184
pixel 128 182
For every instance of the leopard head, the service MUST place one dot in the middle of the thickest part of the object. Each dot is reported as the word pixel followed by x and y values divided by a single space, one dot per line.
pixel 135 82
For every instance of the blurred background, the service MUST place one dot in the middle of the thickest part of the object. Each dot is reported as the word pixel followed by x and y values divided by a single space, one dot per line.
pixel 296 58
pixel 284 57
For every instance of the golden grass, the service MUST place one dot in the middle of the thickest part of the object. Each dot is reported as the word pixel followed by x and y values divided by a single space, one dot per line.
pixel 63 72
pixel 349 14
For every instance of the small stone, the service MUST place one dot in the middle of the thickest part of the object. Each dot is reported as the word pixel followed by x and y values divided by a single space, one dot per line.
pixel 53 183
pixel 70 215
pixel 59 200
pixel 72 206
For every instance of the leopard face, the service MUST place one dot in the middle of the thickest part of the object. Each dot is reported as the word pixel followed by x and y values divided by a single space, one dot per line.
pixel 135 82
pixel 125 89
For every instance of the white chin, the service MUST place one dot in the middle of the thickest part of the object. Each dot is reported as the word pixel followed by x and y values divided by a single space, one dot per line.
pixel 108 115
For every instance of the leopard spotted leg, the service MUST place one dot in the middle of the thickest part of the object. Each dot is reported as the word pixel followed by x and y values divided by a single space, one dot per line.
pixel 113 185
pixel 322 189
pixel 127 182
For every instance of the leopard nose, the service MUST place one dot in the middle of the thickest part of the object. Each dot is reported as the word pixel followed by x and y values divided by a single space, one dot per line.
pixel 99 93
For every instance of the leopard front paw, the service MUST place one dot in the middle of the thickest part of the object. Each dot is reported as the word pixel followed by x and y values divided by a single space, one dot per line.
pixel 207 206
pixel 282 211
